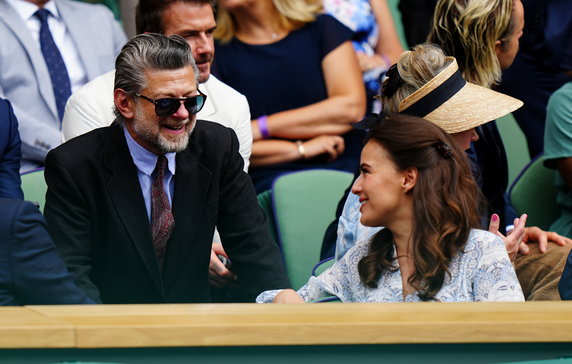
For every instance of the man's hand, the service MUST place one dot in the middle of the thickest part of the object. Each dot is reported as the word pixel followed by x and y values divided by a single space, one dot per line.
pixel 219 274
pixel 514 239
pixel 535 234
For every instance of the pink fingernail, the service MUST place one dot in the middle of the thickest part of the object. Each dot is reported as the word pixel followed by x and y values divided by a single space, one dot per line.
pixel 495 217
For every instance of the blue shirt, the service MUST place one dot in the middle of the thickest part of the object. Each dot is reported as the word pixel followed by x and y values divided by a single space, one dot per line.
pixel 145 161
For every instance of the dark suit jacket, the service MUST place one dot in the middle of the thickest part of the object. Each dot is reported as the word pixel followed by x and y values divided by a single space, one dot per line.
pixel 31 270
pixel 565 284
pixel 10 153
pixel 490 168
pixel 96 214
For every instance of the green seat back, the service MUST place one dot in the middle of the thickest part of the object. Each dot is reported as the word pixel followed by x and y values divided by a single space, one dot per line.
pixel 265 201
pixel 514 144
pixel 533 192
pixel 304 205
pixel 34 187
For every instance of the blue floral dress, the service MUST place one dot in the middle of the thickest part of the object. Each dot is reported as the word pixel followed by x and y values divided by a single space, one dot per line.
pixel 359 17
pixel 481 272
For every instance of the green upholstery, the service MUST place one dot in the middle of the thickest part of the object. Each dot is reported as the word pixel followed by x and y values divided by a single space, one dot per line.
pixel 265 201
pixel 35 187
pixel 304 205
pixel 514 144
pixel 567 360
pixel 533 192
pixel 393 7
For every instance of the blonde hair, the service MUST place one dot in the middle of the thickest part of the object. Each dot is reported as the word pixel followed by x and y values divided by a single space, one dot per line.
pixel 416 68
pixel 468 31
pixel 292 14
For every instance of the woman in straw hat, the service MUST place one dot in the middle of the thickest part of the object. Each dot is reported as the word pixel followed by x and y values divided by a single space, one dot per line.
pixel 483 35
pixel 428 84
pixel 415 181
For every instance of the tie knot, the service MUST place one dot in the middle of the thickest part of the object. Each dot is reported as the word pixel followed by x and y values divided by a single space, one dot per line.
pixel 42 14
pixel 160 166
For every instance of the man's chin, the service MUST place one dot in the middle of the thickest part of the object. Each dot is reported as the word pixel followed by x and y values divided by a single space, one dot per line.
pixel 204 76
pixel 204 71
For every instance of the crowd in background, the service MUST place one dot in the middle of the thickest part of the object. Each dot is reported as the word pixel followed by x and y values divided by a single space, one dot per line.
pixel 155 148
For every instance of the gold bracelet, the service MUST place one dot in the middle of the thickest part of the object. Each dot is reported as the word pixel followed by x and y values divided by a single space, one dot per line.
pixel 301 149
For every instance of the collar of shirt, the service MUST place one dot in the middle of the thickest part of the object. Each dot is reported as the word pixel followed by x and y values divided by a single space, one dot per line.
pixel 144 160
pixel 26 9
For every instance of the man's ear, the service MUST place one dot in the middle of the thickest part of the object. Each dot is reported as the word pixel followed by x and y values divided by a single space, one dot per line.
pixel 409 179
pixel 124 103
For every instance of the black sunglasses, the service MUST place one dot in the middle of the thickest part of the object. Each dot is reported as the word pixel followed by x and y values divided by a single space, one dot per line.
pixel 169 106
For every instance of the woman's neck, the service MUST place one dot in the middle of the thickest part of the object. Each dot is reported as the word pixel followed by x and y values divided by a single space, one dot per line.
pixel 402 230
pixel 258 24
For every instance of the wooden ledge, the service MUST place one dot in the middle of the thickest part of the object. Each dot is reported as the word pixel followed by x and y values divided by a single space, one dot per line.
pixel 21 327
pixel 111 326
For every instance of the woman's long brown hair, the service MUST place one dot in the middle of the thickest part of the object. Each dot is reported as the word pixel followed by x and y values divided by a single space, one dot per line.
pixel 446 202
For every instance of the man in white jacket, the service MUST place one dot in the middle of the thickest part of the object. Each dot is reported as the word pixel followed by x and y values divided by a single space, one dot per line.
pixel 92 106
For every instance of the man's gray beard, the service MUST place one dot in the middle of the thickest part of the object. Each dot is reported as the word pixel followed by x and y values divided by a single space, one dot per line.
pixel 159 141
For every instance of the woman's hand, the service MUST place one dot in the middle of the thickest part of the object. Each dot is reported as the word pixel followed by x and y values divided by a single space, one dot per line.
pixel 367 62
pixel 514 239
pixel 288 296
pixel 332 145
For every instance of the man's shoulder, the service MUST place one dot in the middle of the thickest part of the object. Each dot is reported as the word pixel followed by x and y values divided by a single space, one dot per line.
pixel 210 129
pixel 13 209
pixel 96 96
pixel 219 89
pixel 101 86
pixel 86 144
pixel 81 6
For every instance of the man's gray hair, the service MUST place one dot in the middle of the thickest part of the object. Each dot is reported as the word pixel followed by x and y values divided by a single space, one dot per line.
pixel 151 52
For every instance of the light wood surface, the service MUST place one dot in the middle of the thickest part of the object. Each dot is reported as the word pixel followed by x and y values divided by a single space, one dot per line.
pixel 21 327
pixel 109 326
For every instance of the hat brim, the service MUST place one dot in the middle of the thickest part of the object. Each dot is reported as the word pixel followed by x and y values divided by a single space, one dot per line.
pixel 471 106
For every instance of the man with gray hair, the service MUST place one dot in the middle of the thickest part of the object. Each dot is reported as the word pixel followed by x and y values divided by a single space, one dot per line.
pixel 110 191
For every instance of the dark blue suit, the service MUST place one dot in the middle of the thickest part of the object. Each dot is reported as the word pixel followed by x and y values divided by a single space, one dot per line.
pixel 565 285
pixel 10 153
pixel 31 270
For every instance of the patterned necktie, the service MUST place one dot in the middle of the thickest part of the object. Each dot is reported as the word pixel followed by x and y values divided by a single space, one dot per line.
pixel 162 220
pixel 55 62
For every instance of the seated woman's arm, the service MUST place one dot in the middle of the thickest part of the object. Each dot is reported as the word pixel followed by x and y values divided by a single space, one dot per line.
pixel 344 105
pixel 388 43
pixel 494 278
pixel 340 280
pixel 268 152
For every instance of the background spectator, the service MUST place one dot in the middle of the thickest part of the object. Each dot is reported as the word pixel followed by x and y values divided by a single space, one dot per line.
pixel 48 50
pixel 302 80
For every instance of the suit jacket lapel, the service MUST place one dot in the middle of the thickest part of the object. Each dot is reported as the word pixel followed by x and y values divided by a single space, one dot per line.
pixel 80 35
pixel 22 33
pixel 192 182
pixel 125 193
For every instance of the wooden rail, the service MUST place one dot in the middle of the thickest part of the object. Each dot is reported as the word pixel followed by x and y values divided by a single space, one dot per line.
pixel 203 325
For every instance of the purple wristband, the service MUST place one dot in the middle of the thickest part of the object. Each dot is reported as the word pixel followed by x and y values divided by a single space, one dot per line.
pixel 386 60
pixel 262 122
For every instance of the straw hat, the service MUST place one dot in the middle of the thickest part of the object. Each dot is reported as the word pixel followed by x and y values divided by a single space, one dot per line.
pixel 456 105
